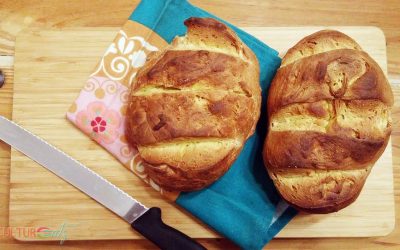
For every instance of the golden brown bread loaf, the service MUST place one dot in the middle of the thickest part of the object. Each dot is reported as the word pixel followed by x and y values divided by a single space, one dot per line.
pixel 193 105
pixel 329 121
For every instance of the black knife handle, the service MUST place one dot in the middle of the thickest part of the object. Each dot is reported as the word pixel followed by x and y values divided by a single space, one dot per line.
pixel 151 226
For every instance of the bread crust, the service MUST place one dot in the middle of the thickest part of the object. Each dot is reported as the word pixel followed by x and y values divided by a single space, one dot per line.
pixel 193 105
pixel 331 103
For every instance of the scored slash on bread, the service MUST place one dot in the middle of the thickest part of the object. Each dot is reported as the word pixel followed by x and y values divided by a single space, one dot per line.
pixel 193 105
pixel 329 121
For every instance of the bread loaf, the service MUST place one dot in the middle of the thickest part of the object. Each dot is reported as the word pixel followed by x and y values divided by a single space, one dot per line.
pixel 193 105
pixel 329 121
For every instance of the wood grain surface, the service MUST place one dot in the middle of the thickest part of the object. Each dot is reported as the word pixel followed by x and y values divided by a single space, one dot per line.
pixel 43 93
pixel 17 15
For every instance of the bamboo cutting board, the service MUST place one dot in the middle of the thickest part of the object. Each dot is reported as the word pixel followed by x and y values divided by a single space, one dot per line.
pixel 51 66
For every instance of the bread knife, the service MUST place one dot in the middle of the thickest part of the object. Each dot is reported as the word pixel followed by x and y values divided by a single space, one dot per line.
pixel 147 221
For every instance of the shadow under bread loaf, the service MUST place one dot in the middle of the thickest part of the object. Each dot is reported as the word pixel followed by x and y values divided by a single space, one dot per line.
pixel 329 121
pixel 193 105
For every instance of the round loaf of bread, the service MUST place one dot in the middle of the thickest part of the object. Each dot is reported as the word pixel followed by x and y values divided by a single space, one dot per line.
pixel 193 105
pixel 329 121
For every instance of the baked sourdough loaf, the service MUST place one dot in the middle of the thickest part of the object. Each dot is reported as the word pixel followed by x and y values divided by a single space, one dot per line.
pixel 193 105
pixel 329 121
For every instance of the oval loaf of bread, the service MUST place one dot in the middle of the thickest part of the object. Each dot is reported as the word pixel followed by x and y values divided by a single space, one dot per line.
pixel 329 121
pixel 193 105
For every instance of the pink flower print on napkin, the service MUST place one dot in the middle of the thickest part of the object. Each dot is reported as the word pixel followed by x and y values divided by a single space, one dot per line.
pixel 99 122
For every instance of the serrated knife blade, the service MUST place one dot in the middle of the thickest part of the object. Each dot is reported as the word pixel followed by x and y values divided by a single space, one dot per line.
pixel 144 220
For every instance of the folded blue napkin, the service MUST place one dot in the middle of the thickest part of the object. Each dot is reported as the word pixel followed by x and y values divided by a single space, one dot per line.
pixel 243 205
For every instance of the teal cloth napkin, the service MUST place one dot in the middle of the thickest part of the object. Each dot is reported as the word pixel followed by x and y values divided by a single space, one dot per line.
pixel 243 205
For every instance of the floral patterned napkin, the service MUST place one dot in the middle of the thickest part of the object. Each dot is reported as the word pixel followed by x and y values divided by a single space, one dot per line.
pixel 100 109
